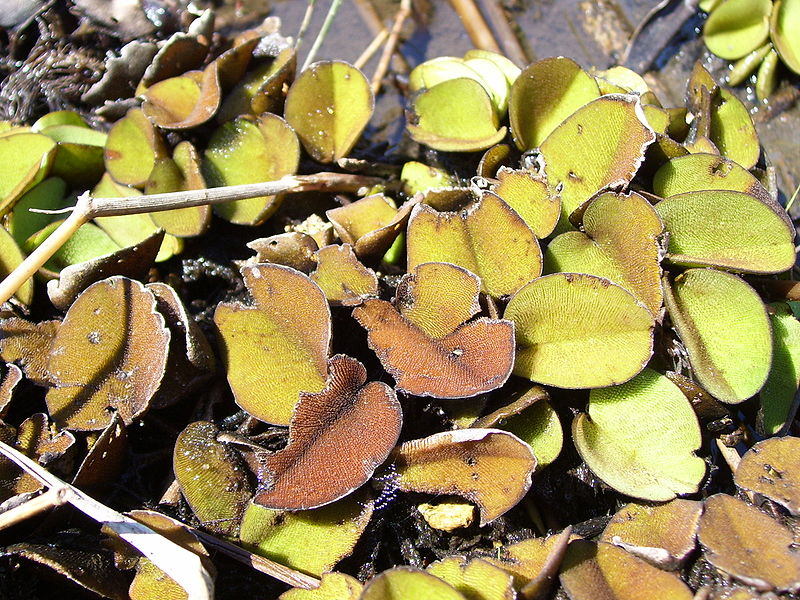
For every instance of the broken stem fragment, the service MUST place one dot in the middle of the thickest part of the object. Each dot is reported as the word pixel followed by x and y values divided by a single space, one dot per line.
pixel 88 208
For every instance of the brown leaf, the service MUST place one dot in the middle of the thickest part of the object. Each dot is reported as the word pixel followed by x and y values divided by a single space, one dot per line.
pixel 772 468
pixel 427 346
pixel 488 467
pixel 108 355
pixel 28 345
pixel 337 438
pixel 749 545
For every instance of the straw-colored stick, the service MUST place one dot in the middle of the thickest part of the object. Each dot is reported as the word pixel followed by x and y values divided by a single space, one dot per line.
pixel 391 44
pixel 88 208
pixel 475 25
pixel 370 50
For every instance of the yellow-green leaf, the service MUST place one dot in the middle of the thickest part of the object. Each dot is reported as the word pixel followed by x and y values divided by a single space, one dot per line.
pixel 737 27
pixel 278 347
pixel 724 326
pixel 487 238
pixel 329 105
pixel 640 438
pixel 579 331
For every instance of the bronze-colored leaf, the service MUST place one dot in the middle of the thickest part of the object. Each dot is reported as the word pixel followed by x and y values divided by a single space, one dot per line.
pixel 27 345
pixel 488 467
pixel 321 463
pixel 190 361
pixel 664 535
pixel 749 545
pixel 11 376
pixel 292 249
pixel 604 572
pixel 431 353
pixel 533 563
pixel 278 346
pixel 106 458
pixel 108 356
pixel 212 477
pixel 771 468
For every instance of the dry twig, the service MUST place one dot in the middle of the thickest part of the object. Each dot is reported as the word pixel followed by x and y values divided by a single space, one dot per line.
pixel 391 44
pixel 475 25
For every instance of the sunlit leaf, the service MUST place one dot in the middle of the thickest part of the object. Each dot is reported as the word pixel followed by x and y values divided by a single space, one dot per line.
pixel 329 105
pixel 487 238
pixel 260 90
pixel 408 582
pixel 664 535
pixel 132 147
pixel 333 586
pixel 640 438
pixel 129 230
pixel 748 545
pixel 770 468
pixel 777 395
pixel 183 172
pixel 419 177
pixel 185 101
pixel 727 229
pixel 530 417
pixel 426 342
pixel 212 478
pixel 340 275
pixel 488 467
pixel 311 541
pixel 24 161
pixel 579 331
pixel 476 579
pixel 732 130
pixel 107 356
pixel 737 27
pixel 621 242
pixel 529 195
pixel 250 151
pixel 604 572
pixel 278 346
pixel 698 172
pixel 544 94
pixel 600 145
pixel 724 326
pixel 470 124
pixel 10 258
pixel 533 563
pixel 785 17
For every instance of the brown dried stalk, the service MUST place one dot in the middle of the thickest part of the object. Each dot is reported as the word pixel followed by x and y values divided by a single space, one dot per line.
pixel 391 44
pixel 88 208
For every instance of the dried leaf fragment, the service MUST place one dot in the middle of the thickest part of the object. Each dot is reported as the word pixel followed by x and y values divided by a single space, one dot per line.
pixel 771 468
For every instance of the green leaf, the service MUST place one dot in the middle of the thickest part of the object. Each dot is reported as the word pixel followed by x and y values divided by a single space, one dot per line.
pixel 731 230
pixel 724 326
pixel 601 145
pixel 620 243
pixel 732 130
pixel 737 27
pixel 10 258
pixel 579 331
pixel 777 395
pixel 132 147
pixel 544 94
pixel 312 541
pixel 783 31
pixel 466 126
pixel 278 347
pixel 487 238
pixel 329 105
pixel 408 582
pixel 640 438
pixel 24 161
pixel 250 151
